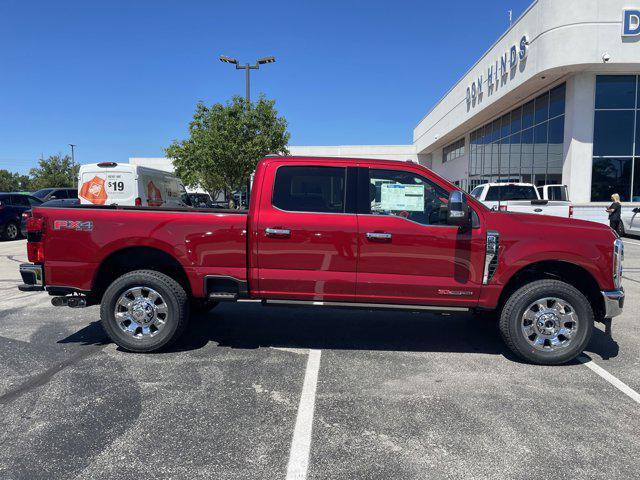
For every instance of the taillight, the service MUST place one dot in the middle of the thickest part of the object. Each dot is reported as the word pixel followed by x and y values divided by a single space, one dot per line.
pixel 503 208
pixel 570 211
pixel 138 202
pixel 35 252
pixel 35 224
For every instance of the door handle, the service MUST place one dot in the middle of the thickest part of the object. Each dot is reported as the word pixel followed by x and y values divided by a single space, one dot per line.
pixel 277 232
pixel 379 236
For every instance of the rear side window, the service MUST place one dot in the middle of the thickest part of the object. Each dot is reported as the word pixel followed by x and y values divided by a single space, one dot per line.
pixel 60 194
pixel 557 193
pixel 511 192
pixel 20 201
pixel 310 189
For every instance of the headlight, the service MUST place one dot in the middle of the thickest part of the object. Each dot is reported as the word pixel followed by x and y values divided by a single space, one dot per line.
pixel 618 257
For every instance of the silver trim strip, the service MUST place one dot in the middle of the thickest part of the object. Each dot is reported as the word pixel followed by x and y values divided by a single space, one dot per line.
pixel 385 306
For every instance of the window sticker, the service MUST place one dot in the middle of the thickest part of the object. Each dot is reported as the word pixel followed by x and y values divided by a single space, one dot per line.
pixel 397 196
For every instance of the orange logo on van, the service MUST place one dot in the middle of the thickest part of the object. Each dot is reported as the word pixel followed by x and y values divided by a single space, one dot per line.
pixel 154 195
pixel 94 191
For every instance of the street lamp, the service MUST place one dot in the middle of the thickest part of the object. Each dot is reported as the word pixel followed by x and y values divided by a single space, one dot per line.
pixel 73 160
pixel 247 68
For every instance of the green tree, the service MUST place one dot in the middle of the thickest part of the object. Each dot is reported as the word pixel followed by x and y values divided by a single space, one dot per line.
pixel 13 182
pixel 226 142
pixel 56 171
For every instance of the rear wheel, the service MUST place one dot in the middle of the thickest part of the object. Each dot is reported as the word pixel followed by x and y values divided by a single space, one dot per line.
pixel 11 231
pixel 547 322
pixel 144 311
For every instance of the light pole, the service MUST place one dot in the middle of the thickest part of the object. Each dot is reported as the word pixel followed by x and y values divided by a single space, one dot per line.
pixel 247 75
pixel 247 69
pixel 73 161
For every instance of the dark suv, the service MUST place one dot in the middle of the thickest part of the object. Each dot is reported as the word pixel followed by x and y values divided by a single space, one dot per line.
pixel 47 194
pixel 11 207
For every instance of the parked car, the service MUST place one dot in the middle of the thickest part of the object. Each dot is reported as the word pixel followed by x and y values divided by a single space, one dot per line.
pixel 630 222
pixel 12 205
pixel 200 200
pixel 63 202
pixel 47 194
pixel 110 183
pixel 521 198
pixel 333 233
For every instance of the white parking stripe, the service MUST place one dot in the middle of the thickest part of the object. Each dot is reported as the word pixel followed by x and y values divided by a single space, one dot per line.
pixel 301 443
pixel 623 387
pixel 627 242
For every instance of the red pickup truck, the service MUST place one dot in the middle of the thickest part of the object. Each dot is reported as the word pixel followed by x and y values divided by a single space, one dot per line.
pixel 333 232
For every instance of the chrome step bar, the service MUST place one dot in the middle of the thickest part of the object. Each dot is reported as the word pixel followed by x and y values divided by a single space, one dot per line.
pixel 381 306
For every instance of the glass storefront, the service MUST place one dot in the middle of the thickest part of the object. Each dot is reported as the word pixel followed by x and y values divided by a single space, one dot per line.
pixel 616 139
pixel 525 145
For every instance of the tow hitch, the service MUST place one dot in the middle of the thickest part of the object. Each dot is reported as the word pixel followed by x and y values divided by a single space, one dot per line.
pixel 72 301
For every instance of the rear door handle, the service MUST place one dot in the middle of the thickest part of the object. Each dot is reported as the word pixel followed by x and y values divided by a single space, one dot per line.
pixel 379 236
pixel 277 232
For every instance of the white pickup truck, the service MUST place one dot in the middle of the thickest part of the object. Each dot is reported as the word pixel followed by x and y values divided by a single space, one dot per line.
pixel 525 198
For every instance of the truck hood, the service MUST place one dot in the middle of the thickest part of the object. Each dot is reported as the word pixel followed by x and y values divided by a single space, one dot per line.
pixel 576 229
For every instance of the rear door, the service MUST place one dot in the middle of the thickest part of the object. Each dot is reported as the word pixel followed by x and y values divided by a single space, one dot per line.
pixel 306 232
pixel 407 252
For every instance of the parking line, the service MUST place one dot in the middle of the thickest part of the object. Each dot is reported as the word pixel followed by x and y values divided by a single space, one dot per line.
pixel 630 243
pixel 301 443
pixel 623 387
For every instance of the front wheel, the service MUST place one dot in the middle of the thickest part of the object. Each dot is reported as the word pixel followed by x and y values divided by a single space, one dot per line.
pixel 547 322
pixel 11 231
pixel 144 311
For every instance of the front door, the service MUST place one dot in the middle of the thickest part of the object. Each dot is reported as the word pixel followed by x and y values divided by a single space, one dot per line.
pixel 408 254
pixel 307 233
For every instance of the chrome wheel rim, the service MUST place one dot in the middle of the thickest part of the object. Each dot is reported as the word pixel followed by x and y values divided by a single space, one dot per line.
pixel 12 231
pixel 549 324
pixel 141 312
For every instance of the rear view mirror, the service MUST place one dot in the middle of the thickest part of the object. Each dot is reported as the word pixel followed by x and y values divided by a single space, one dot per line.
pixel 458 209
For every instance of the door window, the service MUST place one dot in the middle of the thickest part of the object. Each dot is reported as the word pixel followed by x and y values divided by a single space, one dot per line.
pixel 310 189
pixel 407 195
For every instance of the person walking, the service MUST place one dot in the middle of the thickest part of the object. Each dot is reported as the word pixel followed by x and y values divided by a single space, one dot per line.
pixel 614 212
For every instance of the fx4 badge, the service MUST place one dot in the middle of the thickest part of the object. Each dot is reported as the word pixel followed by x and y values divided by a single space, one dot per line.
pixel 73 225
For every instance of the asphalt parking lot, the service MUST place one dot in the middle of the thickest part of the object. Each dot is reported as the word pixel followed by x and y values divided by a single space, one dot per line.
pixel 381 395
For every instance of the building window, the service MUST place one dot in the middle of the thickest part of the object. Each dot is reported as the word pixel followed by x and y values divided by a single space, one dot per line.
pixel 616 138
pixel 453 151
pixel 525 145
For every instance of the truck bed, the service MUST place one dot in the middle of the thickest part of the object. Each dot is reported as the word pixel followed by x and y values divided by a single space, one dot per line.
pixel 79 238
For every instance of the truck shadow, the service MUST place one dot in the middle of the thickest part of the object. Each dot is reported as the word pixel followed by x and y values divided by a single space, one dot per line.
pixel 254 326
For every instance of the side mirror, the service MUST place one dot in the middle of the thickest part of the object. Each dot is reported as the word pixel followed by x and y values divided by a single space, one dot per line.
pixel 636 210
pixel 458 209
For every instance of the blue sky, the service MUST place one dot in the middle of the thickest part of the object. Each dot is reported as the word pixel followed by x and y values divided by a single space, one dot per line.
pixel 121 78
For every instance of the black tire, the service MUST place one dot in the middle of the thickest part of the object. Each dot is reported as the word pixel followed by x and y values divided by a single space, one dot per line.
pixel 173 299
pixel 518 303
pixel 11 231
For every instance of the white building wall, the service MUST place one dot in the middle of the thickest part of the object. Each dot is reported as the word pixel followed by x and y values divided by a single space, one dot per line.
pixel 400 153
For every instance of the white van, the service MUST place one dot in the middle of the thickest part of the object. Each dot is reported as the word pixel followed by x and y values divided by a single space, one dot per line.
pixel 111 183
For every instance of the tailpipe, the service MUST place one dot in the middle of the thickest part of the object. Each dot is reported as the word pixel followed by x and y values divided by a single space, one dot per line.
pixel 74 301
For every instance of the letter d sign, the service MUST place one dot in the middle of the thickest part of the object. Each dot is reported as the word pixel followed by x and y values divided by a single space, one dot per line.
pixel 631 23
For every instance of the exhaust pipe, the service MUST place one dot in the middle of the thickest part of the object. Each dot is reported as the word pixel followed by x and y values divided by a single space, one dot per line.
pixel 74 301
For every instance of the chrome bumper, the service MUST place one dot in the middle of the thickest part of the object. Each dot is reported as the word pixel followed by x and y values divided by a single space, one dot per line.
pixel 32 276
pixel 613 303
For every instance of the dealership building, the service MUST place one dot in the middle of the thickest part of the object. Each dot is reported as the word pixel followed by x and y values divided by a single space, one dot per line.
pixel 556 99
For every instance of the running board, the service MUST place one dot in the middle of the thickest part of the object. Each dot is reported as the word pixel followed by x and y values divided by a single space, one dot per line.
pixel 380 306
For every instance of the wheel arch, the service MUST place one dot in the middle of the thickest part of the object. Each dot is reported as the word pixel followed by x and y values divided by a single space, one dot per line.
pixel 567 272
pixel 129 259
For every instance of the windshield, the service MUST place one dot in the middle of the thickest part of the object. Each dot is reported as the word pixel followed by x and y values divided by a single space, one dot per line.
pixel 42 193
pixel 511 192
